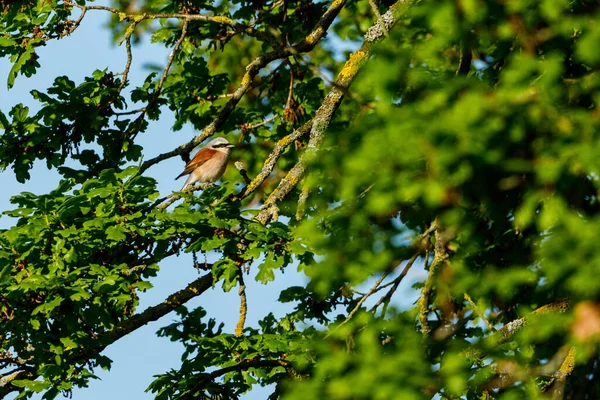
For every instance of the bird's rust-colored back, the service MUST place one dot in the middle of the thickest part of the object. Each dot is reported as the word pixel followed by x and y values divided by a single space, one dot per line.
pixel 200 158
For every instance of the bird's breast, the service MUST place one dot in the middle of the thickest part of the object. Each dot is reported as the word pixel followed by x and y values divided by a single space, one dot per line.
pixel 212 169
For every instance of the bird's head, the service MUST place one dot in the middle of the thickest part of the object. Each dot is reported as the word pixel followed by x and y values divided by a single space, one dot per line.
pixel 220 144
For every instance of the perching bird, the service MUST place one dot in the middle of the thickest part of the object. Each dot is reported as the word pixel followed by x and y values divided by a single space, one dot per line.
pixel 209 163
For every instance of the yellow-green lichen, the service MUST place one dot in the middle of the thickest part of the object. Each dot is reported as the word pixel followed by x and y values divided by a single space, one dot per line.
pixel 246 79
pixel 335 3
pixel 353 64
pixel 569 363
pixel 284 142
pixel 223 20
pixel 315 35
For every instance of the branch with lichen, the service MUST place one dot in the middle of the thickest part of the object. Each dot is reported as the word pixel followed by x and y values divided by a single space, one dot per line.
pixel 507 331
pixel 479 314
pixel 6 386
pixel 216 19
pixel 239 328
pixel 557 386
pixel 330 104
pixel 252 70
pixel 558 368
pixel 300 210
pixel 269 164
pixel 439 257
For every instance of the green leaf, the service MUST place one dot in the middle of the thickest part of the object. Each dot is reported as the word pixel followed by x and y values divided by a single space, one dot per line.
pixel 34 386
pixel 6 274
pixel 23 58
pixel 68 343
pixel 143 285
pixel 4 124
pixel 266 269
pixel 116 233
pixel 7 42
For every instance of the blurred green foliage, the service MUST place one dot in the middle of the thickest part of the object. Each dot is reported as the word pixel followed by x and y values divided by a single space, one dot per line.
pixel 467 147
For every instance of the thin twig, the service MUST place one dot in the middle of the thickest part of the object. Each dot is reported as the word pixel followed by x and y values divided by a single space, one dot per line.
pixel 139 110
pixel 243 173
pixel 480 315
pixel 248 127
pixel 262 14
pixel 290 90
pixel 396 282
pixel 253 363
pixel 170 60
pixel 176 195
pixel 360 303
pixel 78 21
pixel 217 19
pixel 128 64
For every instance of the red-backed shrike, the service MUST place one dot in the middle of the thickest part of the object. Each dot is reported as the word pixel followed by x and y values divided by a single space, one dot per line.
pixel 209 163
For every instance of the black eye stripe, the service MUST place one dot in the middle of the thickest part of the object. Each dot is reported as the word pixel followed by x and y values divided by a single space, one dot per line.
pixel 221 145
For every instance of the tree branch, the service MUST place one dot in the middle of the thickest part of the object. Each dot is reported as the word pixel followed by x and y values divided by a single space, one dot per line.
pixel 330 104
pixel 270 162
pixel 216 19
pixel 170 60
pixel 127 64
pixel 239 328
pixel 503 334
pixel 307 44
pixel 360 303
pixel 177 299
pixel 125 327
pixel 396 282
pixel 439 256
pixel 176 195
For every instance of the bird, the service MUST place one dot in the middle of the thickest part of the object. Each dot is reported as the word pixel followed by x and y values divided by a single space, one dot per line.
pixel 209 163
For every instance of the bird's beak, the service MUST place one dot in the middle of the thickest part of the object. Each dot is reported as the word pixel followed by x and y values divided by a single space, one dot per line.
pixel 230 146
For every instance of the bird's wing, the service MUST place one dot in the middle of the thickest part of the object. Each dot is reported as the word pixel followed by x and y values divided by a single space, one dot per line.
pixel 199 159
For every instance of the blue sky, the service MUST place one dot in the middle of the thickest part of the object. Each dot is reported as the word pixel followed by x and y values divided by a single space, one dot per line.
pixel 140 355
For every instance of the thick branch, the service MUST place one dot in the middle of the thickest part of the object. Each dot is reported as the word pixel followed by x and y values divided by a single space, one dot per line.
pixel 153 313
pixel 5 382
pixel 330 104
